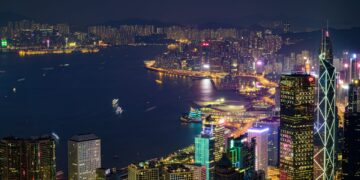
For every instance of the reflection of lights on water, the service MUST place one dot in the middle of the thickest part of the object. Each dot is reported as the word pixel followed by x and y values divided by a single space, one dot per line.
pixel 205 89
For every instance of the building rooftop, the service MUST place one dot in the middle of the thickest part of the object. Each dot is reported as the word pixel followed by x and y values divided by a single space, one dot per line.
pixel 84 137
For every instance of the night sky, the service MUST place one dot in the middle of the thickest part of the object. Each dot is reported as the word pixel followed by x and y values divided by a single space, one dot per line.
pixel 304 13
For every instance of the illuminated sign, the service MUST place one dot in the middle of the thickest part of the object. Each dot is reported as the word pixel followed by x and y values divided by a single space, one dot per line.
pixel 4 43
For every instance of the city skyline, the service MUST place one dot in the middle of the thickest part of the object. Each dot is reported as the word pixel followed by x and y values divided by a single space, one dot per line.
pixel 340 15
pixel 179 90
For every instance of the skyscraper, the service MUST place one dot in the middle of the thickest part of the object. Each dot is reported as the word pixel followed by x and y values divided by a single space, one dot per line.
pixel 27 159
pixel 84 156
pixel 325 125
pixel 241 151
pixel 261 147
pixel 297 92
pixel 273 124
pixel 204 152
pixel 351 151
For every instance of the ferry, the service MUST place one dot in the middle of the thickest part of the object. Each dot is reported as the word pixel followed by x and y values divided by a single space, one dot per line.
pixel 117 108
pixel 158 81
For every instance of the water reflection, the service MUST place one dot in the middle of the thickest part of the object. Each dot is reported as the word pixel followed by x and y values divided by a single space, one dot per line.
pixel 203 89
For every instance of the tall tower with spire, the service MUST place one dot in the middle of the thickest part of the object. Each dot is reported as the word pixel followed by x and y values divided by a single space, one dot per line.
pixel 325 125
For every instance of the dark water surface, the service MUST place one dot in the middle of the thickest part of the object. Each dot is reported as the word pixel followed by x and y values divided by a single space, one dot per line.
pixel 71 94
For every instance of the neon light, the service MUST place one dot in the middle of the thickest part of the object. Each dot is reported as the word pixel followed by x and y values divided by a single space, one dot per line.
pixel 205 44
pixel 311 79
pixel 258 130
pixel 4 43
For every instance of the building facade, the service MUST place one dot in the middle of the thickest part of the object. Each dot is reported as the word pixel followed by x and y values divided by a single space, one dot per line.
pixel 143 171
pixel 84 157
pixel 351 151
pixel 261 148
pixel 27 159
pixel 204 153
pixel 297 126
pixel 326 123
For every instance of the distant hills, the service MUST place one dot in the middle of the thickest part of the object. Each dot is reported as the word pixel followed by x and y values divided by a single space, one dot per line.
pixel 5 17
pixel 342 39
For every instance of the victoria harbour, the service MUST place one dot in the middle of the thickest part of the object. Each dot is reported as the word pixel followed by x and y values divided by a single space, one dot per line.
pixel 69 94
pixel 179 90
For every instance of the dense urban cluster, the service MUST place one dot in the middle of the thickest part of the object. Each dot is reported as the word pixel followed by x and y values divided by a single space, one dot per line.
pixel 302 124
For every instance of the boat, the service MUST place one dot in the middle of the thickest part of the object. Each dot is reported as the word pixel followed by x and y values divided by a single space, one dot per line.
pixel 119 110
pixel 158 81
pixel 115 104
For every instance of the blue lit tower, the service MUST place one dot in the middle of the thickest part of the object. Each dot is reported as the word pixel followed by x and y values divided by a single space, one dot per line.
pixel 325 125
pixel 204 150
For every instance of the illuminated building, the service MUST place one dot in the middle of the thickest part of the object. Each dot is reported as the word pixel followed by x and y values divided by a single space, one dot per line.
pixel 143 171
pixel 307 66
pixel 177 172
pixel 199 171
pixel 261 148
pixel 4 43
pixel 273 146
pixel 84 156
pixel 241 151
pixel 297 92
pixel 351 151
pixel 204 151
pixel 216 130
pixel 326 124
pixel 224 170
pixel 27 159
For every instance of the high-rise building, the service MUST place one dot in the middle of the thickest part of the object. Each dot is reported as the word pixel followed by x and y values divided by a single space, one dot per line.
pixel 224 170
pixel 27 159
pixel 84 156
pixel 261 148
pixel 241 151
pixel 204 152
pixel 177 172
pixel 273 124
pixel 217 130
pixel 297 126
pixel 351 151
pixel 326 123
pixel 144 171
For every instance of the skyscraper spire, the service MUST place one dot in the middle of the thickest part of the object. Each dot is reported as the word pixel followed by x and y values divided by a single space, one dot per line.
pixel 325 125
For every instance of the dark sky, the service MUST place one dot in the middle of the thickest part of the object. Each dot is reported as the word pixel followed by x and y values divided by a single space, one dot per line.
pixel 340 13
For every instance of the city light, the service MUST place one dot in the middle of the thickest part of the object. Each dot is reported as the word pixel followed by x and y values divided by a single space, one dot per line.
pixel 205 44
pixel 206 66
pixel 4 43
pixel 345 86
pixel 258 130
